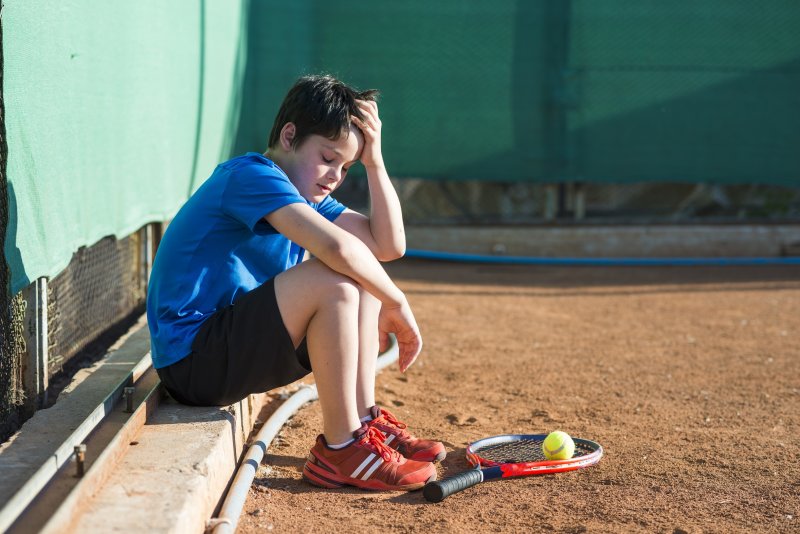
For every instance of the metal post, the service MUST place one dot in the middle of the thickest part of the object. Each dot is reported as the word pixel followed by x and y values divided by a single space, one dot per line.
pixel 148 248
pixel 42 355
pixel 145 254
pixel 35 377
pixel 129 398
pixel 80 459
pixel 550 202
pixel 580 201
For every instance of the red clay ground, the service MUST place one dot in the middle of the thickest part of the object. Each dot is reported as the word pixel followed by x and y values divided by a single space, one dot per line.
pixel 689 377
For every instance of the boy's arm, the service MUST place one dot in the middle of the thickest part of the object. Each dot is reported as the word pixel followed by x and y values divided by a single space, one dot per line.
pixel 348 255
pixel 383 230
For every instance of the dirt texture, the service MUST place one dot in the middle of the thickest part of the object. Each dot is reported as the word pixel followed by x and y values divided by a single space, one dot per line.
pixel 688 376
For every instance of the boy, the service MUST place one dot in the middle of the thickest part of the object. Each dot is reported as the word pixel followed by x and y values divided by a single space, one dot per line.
pixel 232 309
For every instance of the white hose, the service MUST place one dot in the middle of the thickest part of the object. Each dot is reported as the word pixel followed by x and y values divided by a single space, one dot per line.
pixel 228 517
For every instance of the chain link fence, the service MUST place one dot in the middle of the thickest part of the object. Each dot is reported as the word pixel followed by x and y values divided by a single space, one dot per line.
pixel 90 304
pixel 103 285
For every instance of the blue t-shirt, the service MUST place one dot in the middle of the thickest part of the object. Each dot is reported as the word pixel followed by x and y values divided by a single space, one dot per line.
pixel 218 247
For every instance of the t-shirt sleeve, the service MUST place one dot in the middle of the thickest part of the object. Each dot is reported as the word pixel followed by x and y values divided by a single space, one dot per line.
pixel 330 208
pixel 253 192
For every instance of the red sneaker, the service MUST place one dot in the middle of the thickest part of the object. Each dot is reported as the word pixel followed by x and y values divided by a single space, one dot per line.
pixel 422 450
pixel 367 463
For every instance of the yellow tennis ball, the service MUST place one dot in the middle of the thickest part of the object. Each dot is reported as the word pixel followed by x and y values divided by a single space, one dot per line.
pixel 558 446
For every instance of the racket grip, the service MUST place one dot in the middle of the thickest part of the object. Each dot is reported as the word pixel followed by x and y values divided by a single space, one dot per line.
pixel 438 490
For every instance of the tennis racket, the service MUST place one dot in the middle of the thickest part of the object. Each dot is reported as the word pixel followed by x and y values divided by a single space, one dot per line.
pixel 511 455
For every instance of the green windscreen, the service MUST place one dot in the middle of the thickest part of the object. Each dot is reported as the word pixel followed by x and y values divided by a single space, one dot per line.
pixel 550 90
pixel 114 113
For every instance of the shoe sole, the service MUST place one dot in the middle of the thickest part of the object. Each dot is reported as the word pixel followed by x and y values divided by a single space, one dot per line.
pixel 331 481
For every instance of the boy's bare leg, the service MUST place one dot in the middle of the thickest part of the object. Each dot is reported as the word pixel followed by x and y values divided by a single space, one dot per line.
pixel 368 346
pixel 323 306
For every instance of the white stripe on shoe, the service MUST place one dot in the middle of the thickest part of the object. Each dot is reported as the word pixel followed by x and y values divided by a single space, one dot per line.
pixel 364 464
pixel 389 439
pixel 372 469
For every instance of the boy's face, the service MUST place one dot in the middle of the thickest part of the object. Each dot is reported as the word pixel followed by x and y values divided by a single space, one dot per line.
pixel 319 165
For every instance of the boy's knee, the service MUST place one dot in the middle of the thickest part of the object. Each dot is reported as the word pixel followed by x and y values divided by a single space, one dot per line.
pixel 344 290
pixel 336 287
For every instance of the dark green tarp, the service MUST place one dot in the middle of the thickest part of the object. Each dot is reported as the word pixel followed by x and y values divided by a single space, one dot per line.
pixel 551 90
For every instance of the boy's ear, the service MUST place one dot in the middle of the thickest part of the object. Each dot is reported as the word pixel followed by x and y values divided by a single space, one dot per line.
pixel 288 132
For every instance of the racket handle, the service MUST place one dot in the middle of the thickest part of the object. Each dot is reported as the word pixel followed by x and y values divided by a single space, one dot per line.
pixel 438 490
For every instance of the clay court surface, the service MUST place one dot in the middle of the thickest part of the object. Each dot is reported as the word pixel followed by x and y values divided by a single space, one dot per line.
pixel 689 377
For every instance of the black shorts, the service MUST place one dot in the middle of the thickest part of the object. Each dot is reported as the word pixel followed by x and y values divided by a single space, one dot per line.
pixel 241 349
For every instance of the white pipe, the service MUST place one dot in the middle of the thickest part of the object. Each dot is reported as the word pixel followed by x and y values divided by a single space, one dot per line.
pixel 389 357
pixel 231 510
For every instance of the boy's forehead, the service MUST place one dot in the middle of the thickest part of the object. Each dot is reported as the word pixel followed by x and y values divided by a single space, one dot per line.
pixel 347 145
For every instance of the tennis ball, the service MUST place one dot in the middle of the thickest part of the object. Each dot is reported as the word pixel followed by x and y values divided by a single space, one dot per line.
pixel 558 446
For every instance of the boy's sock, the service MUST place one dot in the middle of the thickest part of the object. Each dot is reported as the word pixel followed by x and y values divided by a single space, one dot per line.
pixel 365 419
pixel 341 445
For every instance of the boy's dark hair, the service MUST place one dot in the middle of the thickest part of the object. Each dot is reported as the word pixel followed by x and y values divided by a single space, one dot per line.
pixel 320 105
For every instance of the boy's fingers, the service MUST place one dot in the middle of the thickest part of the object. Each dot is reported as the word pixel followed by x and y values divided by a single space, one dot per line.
pixel 369 108
pixel 408 353
pixel 407 360
pixel 403 362
pixel 362 124
pixel 367 121
pixel 384 341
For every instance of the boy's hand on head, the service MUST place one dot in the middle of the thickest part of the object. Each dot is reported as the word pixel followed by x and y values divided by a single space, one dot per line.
pixel 400 321
pixel 370 127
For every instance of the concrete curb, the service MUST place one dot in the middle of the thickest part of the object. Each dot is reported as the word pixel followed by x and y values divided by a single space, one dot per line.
pixel 44 446
pixel 611 241
pixel 174 473
pixel 174 478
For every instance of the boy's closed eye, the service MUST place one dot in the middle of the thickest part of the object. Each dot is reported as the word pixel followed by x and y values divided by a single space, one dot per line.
pixel 332 159
pixel 329 156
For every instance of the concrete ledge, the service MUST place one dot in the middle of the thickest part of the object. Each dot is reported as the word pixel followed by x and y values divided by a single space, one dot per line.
pixel 175 476
pixel 588 241
pixel 45 442
pixel 174 473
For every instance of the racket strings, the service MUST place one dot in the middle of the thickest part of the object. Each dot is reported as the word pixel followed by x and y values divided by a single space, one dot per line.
pixel 524 450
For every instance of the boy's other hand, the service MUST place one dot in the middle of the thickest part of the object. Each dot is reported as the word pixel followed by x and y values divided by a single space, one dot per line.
pixel 400 321
pixel 370 127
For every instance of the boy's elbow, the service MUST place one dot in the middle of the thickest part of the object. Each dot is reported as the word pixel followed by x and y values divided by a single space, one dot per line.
pixel 334 250
pixel 394 253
